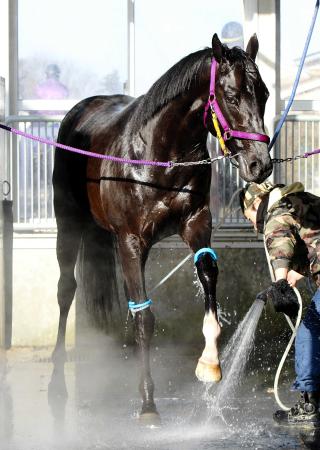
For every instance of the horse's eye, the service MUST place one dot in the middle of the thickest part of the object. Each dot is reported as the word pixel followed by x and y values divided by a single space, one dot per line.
pixel 232 100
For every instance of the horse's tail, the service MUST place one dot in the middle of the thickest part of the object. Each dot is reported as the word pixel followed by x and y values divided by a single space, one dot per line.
pixel 97 276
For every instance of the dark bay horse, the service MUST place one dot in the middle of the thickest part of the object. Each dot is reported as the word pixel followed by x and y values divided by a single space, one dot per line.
pixel 101 206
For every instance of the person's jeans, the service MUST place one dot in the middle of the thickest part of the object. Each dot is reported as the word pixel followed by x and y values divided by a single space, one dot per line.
pixel 307 346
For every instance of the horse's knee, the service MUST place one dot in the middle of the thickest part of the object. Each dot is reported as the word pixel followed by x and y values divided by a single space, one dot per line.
pixel 206 263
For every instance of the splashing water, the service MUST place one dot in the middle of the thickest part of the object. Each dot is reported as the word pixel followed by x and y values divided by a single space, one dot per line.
pixel 233 361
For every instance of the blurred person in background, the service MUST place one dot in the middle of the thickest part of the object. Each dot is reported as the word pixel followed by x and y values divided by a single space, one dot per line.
pixel 232 35
pixel 52 88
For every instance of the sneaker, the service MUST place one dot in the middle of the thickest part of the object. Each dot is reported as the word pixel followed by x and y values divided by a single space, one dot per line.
pixel 305 413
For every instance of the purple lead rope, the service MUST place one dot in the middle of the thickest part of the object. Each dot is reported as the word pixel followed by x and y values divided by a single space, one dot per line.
pixel 132 161
pixel 314 152
pixel 85 152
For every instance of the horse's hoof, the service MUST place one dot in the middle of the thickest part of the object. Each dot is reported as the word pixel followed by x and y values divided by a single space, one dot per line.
pixel 150 419
pixel 57 389
pixel 208 372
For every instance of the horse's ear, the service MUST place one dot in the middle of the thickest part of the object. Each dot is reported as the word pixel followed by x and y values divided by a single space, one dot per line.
pixel 253 47
pixel 217 48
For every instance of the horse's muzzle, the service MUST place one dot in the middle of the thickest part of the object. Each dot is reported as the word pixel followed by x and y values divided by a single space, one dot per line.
pixel 255 170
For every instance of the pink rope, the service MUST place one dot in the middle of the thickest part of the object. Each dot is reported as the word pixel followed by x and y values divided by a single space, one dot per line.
pixel 314 152
pixel 85 152
pixel 116 158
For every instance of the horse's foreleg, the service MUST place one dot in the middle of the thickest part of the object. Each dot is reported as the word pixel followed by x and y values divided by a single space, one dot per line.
pixel 133 258
pixel 197 233
pixel 208 368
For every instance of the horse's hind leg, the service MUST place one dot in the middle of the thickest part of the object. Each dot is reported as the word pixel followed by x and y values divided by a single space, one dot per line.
pixel 196 232
pixel 68 240
pixel 133 256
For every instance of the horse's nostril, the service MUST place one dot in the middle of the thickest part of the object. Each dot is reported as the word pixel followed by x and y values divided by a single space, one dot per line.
pixel 254 167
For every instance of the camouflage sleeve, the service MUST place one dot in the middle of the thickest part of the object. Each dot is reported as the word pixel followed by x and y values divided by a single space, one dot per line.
pixel 280 240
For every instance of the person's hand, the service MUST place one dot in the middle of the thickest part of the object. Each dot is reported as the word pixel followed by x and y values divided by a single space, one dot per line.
pixel 263 295
pixel 293 277
pixel 282 297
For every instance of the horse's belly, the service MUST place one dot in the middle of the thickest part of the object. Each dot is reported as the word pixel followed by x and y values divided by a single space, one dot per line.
pixel 121 207
pixel 97 209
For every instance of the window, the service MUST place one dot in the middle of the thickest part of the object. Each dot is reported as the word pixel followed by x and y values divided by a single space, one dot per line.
pixel 301 130
pixel 68 50
pixel 295 23
pixel 166 31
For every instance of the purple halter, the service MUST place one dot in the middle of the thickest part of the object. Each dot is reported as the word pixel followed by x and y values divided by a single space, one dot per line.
pixel 213 105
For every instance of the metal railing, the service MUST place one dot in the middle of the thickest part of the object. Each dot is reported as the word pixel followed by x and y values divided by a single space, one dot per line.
pixel 225 180
pixel 30 166
pixel 300 133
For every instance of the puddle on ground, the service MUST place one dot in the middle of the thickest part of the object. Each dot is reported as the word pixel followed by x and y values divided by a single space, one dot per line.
pixel 103 405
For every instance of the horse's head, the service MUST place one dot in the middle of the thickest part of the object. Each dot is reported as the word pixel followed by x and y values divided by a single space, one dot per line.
pixel 241 95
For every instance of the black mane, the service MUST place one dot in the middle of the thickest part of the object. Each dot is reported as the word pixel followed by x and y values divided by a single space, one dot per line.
pixel 177 80
pixel 174 82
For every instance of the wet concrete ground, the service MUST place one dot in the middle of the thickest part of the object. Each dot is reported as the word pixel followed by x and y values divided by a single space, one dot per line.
pixel 103 405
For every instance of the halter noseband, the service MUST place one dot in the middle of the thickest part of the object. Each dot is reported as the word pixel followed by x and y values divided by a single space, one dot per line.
pixel 217 117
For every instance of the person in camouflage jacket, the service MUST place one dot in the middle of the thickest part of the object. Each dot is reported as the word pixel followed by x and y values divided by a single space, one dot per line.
pixel 289 219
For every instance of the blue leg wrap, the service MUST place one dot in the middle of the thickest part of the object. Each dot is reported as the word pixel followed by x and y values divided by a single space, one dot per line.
pixel 202 251
pixel 134 307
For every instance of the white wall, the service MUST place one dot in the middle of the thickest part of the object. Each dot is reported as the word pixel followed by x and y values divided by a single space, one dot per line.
pixel 35 306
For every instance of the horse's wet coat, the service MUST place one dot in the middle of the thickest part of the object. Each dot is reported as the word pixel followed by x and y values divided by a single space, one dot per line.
pixel 138 206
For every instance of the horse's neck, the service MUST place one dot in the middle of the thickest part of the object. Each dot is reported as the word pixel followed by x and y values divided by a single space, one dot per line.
pixel 177 131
